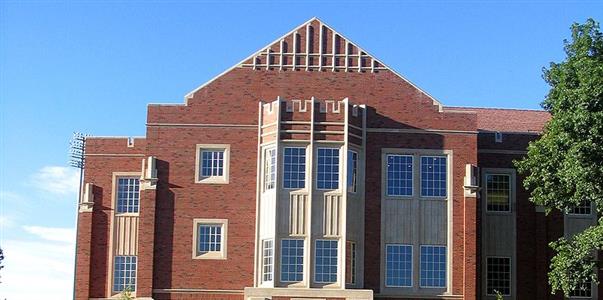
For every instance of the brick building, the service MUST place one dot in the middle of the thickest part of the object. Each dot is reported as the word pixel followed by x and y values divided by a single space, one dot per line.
pixel 313 170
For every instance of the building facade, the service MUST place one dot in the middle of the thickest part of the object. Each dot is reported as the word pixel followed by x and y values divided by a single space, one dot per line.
pixel 311 170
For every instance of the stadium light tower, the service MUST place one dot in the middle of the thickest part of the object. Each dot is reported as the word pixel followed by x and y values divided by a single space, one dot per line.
pixel 77 152
pixel 77 159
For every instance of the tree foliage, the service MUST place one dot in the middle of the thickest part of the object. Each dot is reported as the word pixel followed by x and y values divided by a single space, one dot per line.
pixel 564 167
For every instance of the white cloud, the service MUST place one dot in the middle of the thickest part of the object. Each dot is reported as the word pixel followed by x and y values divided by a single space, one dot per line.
pixel 66 235
pixel 38 269
pixel 6 222
pixel 57 180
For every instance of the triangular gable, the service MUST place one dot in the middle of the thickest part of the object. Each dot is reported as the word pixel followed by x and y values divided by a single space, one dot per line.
pixel 313 46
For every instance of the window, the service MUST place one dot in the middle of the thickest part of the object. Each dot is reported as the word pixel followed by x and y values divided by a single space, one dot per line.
pixel 295 168
pixel 433 176
pixel 292 260
pixel 399 175
pixel 269 169
pixel 498 192
pixel 352 170
pixel 498 137
pixel 498 275
pixel 212 163
pixel 128 194
pixel 328 169
pixel 433 266
pixel 398 265
pixel 325 261
pixel 209 238
pixel 350 262
pixel 584 291
pixel 582 209
pixel 124 273
pixel 267 260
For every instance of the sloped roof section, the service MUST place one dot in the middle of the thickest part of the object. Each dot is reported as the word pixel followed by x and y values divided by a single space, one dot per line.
pixel 507 120
pixel 313 46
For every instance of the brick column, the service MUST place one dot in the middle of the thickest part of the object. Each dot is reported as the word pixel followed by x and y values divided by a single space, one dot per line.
pixel 470 216
pixel 83 253
pixel 470 289
pixel 146 242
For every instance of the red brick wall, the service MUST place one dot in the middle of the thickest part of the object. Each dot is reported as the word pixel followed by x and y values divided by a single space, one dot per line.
pixel 393 103
pixel 534 230
pixel 233 98
pixel 99 171
pixel 180 200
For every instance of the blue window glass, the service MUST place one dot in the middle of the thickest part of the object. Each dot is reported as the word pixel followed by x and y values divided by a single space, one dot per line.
pixel 399 175
pixel 433 266
pixel 352 170
pixel 124 273
pixel 128 194
pixel 212 163
pixel 328 169
pixel 209 238
pixel 295 168
pixel 325 265
pixel 292 260
pixel 398 265
pixel 433 176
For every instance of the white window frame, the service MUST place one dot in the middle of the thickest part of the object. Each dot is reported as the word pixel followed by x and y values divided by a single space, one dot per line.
pixel 588 215
pixel 223 242
pixel 510 274
pixel 412 173
pixel 303 148
pixel 117 179
pixel 270 166
pixel 509 210
pixel 224 179
pixel 264 265
pixel 447 175
pixel 316 265
pixel 304 261
pixel 339 169
pixel 446 269
pixel 412 266
pixel 113 278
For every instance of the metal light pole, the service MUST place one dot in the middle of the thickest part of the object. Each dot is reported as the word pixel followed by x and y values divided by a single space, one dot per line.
pixel 77 152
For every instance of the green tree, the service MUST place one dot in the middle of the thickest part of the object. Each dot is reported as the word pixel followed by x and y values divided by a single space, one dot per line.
pixel 1 258
pixel 126 294
pixel 565 166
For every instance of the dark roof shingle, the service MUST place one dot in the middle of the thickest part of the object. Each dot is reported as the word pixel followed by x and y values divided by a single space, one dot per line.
pixel 507 120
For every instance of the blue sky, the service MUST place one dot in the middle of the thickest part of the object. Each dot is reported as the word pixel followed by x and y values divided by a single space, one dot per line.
pixel 93 66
